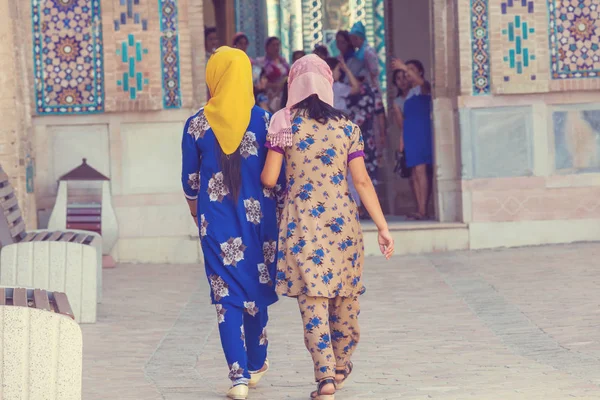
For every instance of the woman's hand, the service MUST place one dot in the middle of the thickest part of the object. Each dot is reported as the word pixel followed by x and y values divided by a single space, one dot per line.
pixel 386 243
pixel 398 64
pixel 343 65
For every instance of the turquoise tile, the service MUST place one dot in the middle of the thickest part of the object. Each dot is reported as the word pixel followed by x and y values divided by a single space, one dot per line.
pixel 124 52
pixel 131 67
pixel 525 31
pixel 132 93
pixel 511 54
pixel 146 81
pixel 511 32
pixel 138 51
pixel 526 57
pixel 517 21
pixel 125 82
pixel 532 57
pixel 139 81
pixel 519 67
pixel 518 45
pixel 131 39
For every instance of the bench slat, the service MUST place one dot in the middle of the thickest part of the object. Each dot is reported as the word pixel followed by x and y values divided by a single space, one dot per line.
pixel 40 298
pixel 20 297
pixel 18 229
pixel 54 236
pixel 9 203
pixel 14 215
pixel 29 237
pixel 62 304
pixel 67 237
pixel 5 191
pixel 80 238
pixel 2 297
pixel 3 176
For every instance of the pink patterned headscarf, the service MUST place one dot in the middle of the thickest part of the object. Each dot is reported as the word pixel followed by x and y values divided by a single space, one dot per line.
pixel 309 75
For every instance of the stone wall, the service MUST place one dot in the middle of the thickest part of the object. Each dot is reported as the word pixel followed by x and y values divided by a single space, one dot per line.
pixel 16 153
pixel 113 82
pixel 530 120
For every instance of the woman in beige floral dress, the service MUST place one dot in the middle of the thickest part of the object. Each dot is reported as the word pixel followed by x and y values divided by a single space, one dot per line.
pixel 321 253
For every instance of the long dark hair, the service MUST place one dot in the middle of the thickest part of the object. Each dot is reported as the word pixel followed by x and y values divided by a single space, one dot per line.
pixel 419 65
pixel 318 110
pixel 231 165
pixel 400 91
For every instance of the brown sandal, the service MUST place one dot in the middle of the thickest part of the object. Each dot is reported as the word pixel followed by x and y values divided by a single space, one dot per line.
pixel 317 395
pixel 346 372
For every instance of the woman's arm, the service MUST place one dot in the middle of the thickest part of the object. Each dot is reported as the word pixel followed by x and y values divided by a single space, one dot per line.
pixel 272 169
pixel 399 64
pixel 354 83
pixel 399 119
pixel 368 197
pixel 190 170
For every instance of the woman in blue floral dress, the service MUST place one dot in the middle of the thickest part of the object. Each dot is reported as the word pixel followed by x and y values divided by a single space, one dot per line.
pixel 223 156
pixel 320 257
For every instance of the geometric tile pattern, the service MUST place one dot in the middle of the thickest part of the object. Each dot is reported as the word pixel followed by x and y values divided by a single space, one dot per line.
pixel 313 23
pixel 519 47
pixel 169 47
pixel 67 56
pixel 250 17
pixel 380 46
pixel 129 14
pixel 533 201
pixel 131 53
pixel 574 38
pixel 519 34
pixel 480 47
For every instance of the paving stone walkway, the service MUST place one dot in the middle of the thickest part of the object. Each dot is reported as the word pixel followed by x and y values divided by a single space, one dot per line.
pixel 507 324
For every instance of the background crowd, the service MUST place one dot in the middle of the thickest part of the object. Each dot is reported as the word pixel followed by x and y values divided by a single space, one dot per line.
pixel 357 93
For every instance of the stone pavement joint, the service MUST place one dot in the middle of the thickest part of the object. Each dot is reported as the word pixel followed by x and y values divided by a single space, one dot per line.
pixel 518 332
pixel 518 324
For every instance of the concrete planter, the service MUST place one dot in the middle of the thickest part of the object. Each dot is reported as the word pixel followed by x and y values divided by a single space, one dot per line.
pixel 40 355
pixel 66 267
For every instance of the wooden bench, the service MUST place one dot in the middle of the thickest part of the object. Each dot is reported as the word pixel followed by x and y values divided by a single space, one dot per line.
pixel 65 261
pixel 41 344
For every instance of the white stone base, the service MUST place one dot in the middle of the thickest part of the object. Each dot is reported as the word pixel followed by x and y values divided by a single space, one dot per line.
pixel 57 267
pixel 419 237
pixel 41 355
pixel 530 233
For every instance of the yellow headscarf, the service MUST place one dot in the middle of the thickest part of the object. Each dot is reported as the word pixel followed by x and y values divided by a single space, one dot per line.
pixel 229 80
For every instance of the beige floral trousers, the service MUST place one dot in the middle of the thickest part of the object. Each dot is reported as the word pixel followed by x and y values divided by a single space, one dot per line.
pixel 331 331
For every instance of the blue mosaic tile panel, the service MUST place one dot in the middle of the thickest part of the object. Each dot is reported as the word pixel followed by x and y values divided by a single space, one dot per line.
pixel 480 35
pixel 519 35
pixel 130 12
pixel 169 51
pixel 574 38
pixel 131 54
pixel 67 56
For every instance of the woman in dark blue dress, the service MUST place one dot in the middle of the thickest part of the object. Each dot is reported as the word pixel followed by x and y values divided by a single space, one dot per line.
pixel 224 152
pixel 417 133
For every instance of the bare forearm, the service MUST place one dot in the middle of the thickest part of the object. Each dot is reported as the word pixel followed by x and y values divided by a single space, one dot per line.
pixel 368 196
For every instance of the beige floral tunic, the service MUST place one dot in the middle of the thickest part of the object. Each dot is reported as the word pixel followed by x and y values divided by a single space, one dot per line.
pixel 321 249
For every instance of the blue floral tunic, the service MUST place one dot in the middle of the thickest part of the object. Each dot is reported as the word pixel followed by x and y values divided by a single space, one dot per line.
pixel 238 238
pixel 321 248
